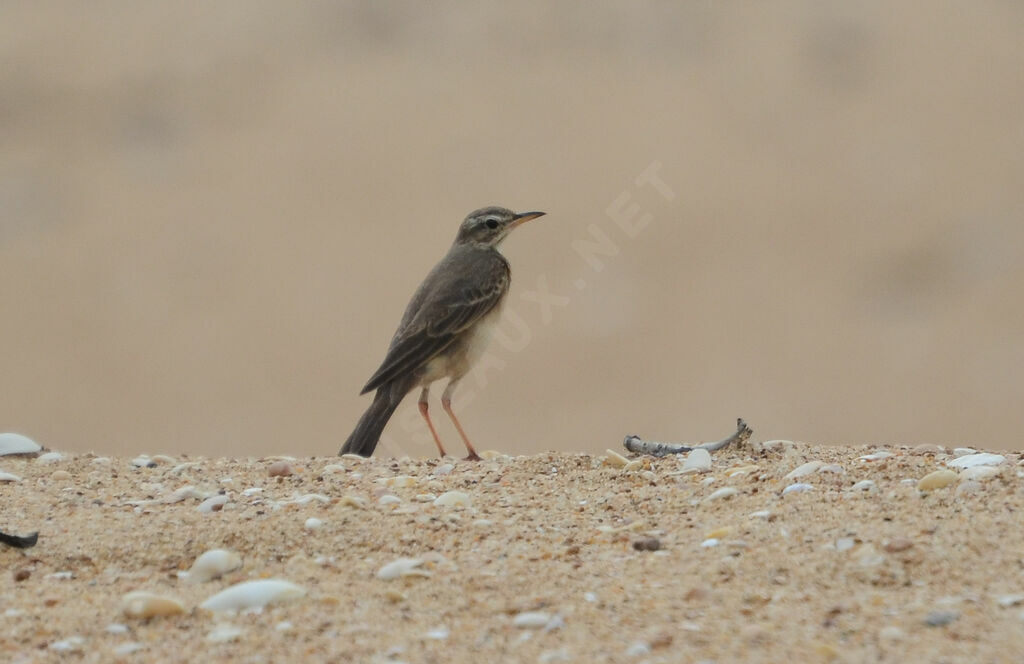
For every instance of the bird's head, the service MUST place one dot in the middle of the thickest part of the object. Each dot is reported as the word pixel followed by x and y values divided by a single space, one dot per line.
pixel 488 226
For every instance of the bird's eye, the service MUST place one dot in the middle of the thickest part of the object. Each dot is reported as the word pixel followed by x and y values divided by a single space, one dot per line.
pixel 492 223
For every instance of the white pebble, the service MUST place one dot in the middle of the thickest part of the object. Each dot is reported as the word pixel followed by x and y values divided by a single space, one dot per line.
pixel 803 470
pixel 697 461
pixel 224 633
pixel 979 473
pixel 69 644
pixel 15 443
pixel 402 567
pixel 876 456
pixel 761 514
pixel 49 457
pixel 128 648
pixel 590 597
pixel 389 499
pixel 799 487
pixel 444 469
pixel 212 565
pixel 638 649
pixel 531 620
pixel 8 477
pixel 845 544
pixel 452 499
pixel 710 543
pixel 253 595
pixel 143 461
pixel 213 503
pixel 438 634
pixel 724 492
pixel 313 523
pixel 972 460
pixel 142 604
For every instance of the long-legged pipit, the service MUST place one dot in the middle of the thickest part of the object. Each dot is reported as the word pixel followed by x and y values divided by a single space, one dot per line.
pixel 445 327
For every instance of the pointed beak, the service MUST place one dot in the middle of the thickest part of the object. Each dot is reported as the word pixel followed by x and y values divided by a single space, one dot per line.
pixel 524 217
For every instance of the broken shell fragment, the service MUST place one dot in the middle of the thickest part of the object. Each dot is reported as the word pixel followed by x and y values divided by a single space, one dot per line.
pixel 402 567
pixel 253 595
pixel 142 604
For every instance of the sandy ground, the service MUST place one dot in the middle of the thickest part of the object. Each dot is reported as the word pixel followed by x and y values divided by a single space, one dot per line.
pixel 846 572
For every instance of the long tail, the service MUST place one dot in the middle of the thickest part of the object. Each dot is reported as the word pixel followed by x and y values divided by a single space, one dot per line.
pixel 363 440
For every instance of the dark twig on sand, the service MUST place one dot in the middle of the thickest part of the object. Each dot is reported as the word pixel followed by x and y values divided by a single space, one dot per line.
pixel 19 542
pixel 637 446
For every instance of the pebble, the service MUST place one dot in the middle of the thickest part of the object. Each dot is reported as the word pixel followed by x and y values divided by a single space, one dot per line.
pixel 444 469
pixel 280 469
pixel 647 544
pixel 963 451
pixel 802 470
pixel 212 565
pixel 867 486
pixel 142 604
pixel 938 479
pixel 8 477
pixel 143 461
pixel 531 620
pixel 213 503
pixel 724 492
pixel 402 567
pixel 224 633
pixel 697 461
pixel 15 443
pixel 313 523
pixel 799 487
pixel 184 493
pixel 49 457
pixel 452 499
pixel 761 514
pixel 897 544
pixel 876 456
pixel 941 618
pixel 972 460
pixel 710 543
pixel 398 481
pixel 845 544
pixel 891 634
pixel 1006 601
pixel 389 499
pixel 253 595
pixel 70 644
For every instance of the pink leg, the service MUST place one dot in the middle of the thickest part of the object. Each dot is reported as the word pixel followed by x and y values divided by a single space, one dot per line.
pixel 423 411
pixel 446 403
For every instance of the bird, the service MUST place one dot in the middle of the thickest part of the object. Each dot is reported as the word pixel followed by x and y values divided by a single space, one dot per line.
pixel 445 328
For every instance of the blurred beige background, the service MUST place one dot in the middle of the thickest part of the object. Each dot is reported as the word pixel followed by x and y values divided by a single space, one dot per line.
pixel 213 214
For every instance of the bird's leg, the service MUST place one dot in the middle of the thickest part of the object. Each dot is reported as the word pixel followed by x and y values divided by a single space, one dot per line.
pixel 446 403
pixel 424 406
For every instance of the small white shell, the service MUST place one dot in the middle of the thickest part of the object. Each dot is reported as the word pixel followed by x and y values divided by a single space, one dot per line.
pixel 972 460
pixel 389 499
pixel 253 595
pixel 867 486
pixel 15 443
pixel 452 499
pixel 799 487
pixel 213 564
pixel 224 633
pixel 531 619
pixel 213 503
pixel 8 477
pixel 697 460
pixel 724 492
pixel 49 457
pixel 402 567
pixel 936 480
pixel 184 493
pixel 313 523
pixel 142 604
pixel 805 469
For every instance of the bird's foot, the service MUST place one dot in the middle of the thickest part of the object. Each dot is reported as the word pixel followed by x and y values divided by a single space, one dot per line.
pixel 473 456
